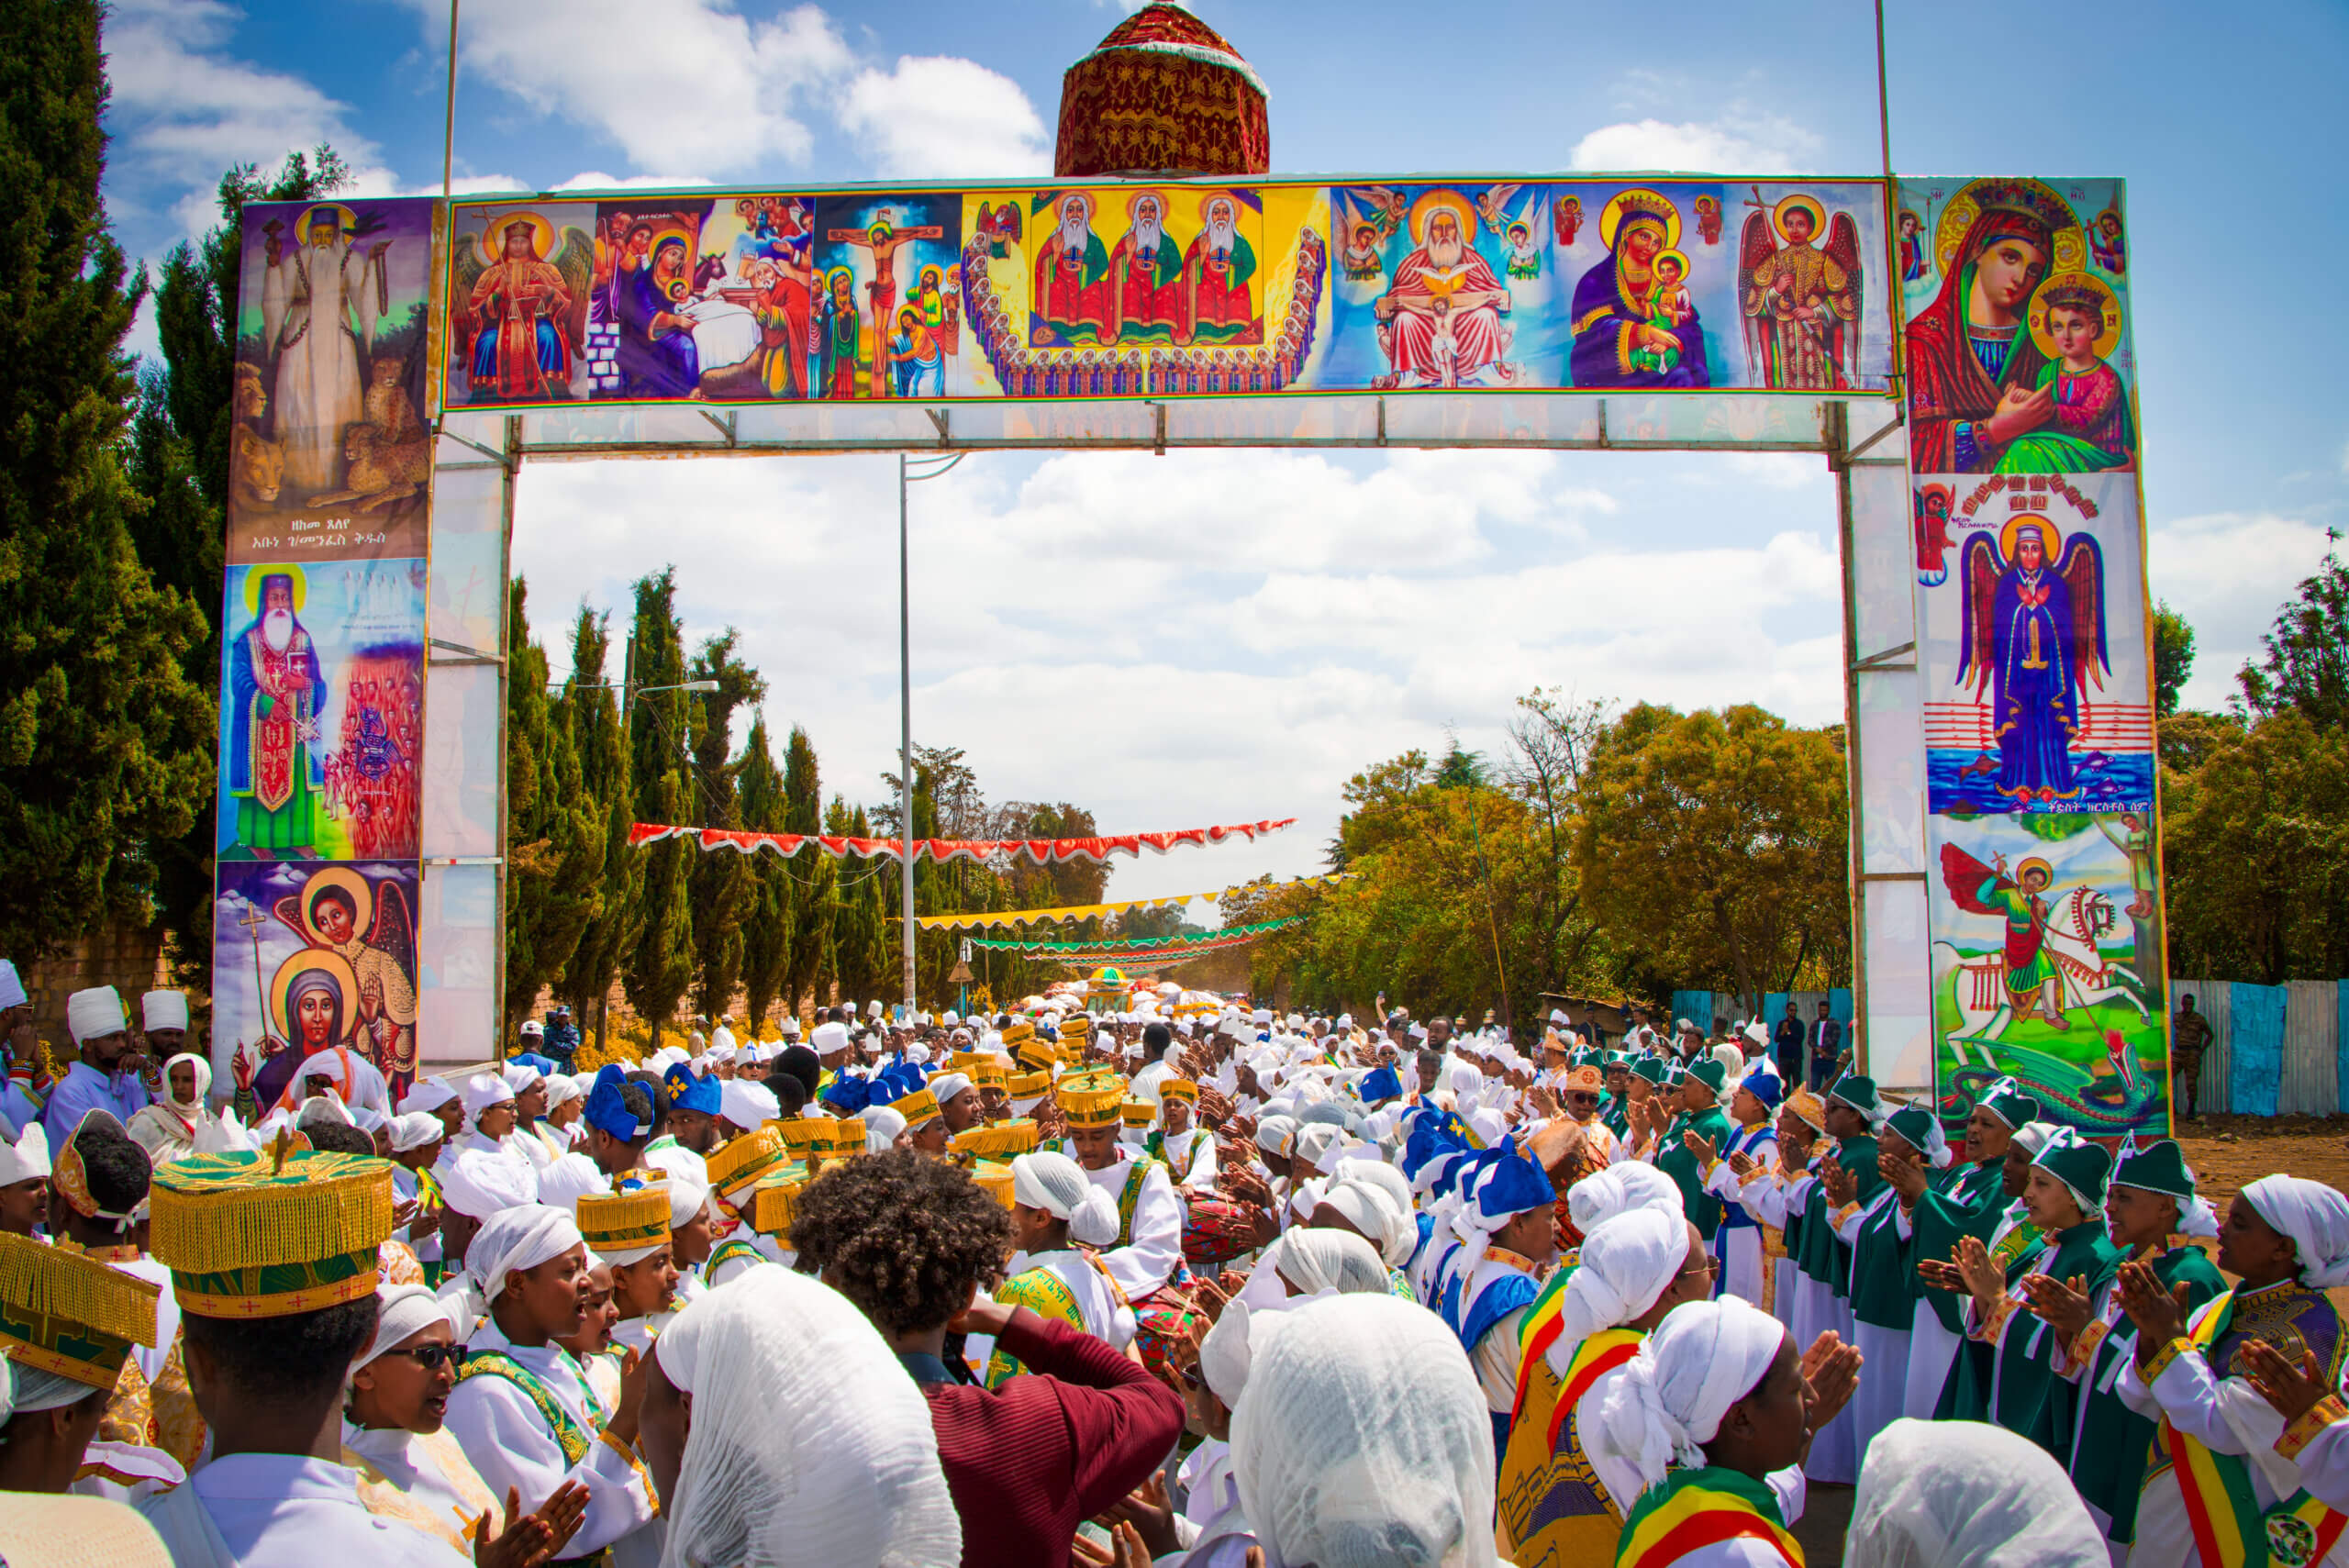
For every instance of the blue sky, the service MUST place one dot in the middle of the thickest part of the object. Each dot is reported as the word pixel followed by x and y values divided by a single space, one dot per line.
pixel 1263 625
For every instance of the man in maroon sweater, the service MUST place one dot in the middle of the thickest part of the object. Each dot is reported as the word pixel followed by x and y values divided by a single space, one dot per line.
pixel 910 1238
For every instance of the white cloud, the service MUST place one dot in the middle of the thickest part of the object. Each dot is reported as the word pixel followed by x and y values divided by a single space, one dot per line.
pixel 596 180
pixel 182 110
pixel 383 183
pixel 2229 573
pixel 689 84
pixel 939 117
pixel 1737 143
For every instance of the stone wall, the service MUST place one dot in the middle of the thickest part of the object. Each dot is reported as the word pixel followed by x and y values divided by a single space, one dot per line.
pixel 128 958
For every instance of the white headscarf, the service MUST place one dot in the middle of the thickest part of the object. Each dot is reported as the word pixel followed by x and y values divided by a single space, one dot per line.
pixel 482 1183
pixel 402 1311
pixel 882 1126
pixel 521 1237
pixel 1628 1261
pixel 568 1178
pixel 1703 1358
pixel 1057 1185
pixel 1363 1440
pixel 1274 1133
pixel 1239 1335
pixel 429 1095
pixel 2315 1216
pixel 1964 1495
pixel 1619 1189
pixel 1316 1260
pixel 809 1446
pixel 1370 1210
pixel 187 1109
pixel 414 1130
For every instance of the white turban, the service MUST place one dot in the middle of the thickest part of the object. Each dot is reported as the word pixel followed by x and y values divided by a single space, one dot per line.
pixel 829 1039
pixel 1703 1358
pixel 567 1179
pixel 1057 1185
pixel 484 1091
pixel 482 1184
pixel 562 1088
pixel 1964 1495
pixel 946 1085
pixel 747 1105
pixel 96 1013
pixel 520 1076
pixel 27 1160
pixel 36 1390
pixel 688 1184
pixel 1238 1336
pixel 402 1311
pixel 1370 1210
pixel 163 1010
pixel 1316 1260
pixel 1363 1440
pixel 12 986
pixel 414 1130
pixel 810 1445
pixel 2315 1216
pixel 429 1095
pixel 1314 1139
pixel 882 1126
pixel 1272 1134
pixel 519 1238
pixel 1619 1189
pixel 1629 1262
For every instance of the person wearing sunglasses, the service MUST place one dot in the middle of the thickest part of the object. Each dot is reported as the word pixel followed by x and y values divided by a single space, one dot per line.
pixel 409 1467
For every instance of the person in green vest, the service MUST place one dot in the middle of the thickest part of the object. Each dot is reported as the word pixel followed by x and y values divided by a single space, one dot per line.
pixel 1719 1413
pixel 1616 1070
pixel 2065 1200
pixel 2155 1218
pixel 1846 1178
pixel 1966 1200
pixel 2013 1242
pixel 1884 1292
pixel 1648 1074
pixel 1689 1140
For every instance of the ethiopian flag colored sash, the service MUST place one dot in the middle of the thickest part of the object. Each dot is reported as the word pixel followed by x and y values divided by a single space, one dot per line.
pixel 1129 1196
pixel 1697 1508
pixel 1539 1329
pixel 568 1435
pixel 1602 1352
pixel 2229 1530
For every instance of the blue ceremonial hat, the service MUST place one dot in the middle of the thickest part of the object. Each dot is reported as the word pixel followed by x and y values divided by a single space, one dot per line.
pixel 1512 1186
pixel 1452 1167
pixel 848 1095
pixel 608 1107
pixel 1423 1143
pixel 1765 1086
pixel 1381 1083
pixel 687 1093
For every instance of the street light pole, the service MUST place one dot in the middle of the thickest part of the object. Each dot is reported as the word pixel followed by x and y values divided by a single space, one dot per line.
pixel 931 467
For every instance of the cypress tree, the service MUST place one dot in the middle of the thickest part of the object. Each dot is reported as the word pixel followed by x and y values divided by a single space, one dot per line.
pixel 813 876
pixel 723 885
pixel 554 836
pixel 658 963
pixel 105 747
pixel 767 923
pixel 591 713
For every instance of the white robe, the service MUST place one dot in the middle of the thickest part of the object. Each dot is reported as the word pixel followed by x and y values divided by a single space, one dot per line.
pixel 307 303
pixel 1148 1260
pixel 409 1461
pixel 1105 1317
pixel 283 1510
pixel 510 1444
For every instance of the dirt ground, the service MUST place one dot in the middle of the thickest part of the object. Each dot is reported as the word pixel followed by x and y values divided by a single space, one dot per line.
pixel 2226 1153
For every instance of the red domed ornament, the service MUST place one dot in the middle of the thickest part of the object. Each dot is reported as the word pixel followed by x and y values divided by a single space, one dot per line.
pixel 1162 95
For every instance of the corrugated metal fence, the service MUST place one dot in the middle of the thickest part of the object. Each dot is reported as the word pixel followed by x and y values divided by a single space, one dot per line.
pixel 2274 1049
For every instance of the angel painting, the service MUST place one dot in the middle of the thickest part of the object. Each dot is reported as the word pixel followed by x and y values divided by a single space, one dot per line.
pixel 999 226
pixel 1709 219
pixel 1364 226
pixel 331 912
pixel 525 305
pixel 2033 637
pixel 1801 302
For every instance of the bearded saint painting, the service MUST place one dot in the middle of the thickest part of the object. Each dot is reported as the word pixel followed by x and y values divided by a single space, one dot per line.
pixel 520 305
pixel 1624 335
pixel 1073 286
pixel 1217 266
pixel 1440 323
pixel 276 695
pixel 1146 273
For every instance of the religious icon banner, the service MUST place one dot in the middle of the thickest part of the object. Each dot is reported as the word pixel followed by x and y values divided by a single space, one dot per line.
pixel 1173 288
pixel 329 457
pixel 321 711
pixel 313 959
pixel 2035 649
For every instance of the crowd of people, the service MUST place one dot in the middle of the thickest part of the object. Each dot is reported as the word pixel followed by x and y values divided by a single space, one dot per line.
pixel 1230 1288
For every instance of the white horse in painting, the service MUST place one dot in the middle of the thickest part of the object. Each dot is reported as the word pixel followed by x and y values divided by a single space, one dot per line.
pixel 2074 923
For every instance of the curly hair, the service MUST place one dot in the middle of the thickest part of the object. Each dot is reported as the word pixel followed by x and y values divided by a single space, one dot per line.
pixel 902 1234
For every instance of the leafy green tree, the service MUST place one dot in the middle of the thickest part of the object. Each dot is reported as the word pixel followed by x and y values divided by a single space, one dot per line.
pixel 659 962
pixel 590 712
pixel 723 885
pixel 2173 658
pixel 2305 667
pixel 555 832
pixel 2256 853
pixel 858 949
pixel 811 875
pixel 107 746
pixel 767 922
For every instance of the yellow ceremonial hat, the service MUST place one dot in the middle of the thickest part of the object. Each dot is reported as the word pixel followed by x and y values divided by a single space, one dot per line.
pixel 1020 1032
pixel 987 1073
pixel 1091 1099
pixel 265 1235
pixel 997 1139
pixel 838 1140
pixel 1036 1053
pixel 918 1107
pixel 1028 1086
pixel 797 1132
pixel 68 1314
pixel 963 1061
pixel 1078 1028
pixel 1137 1113
pixel 625 1220
pixel 738 1162
pixel 1178 1089
pixel 773 1203
pixel 995 1178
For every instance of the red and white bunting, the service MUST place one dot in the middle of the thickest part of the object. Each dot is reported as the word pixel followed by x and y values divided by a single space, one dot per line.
pixel 1046 852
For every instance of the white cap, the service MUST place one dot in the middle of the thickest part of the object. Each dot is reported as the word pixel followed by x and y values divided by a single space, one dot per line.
pixel 94 1014
pixel 483 1090
pixel 163 1010
pixel 829 1038
pixel 12 989
pixel 27 1159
